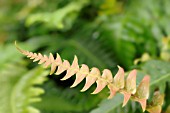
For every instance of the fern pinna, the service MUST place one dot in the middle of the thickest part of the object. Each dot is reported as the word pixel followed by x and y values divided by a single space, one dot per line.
pixel 115 84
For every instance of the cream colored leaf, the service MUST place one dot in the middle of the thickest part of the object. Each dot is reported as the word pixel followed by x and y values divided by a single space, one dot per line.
pixel 143 103
pixel 131 82
pixel 30 54
pixel 33 56
pixel 51 58
pixel 72 70
pixel 95 72
pixel 39 56
pixel 63 67
pixel 100 85
pixel 91 78
pixel 119 78
pixel 58 60
pixel 84 70
pixel 47 62
pixel 143 88
pixel 89 81
pixel 43 59
pixel 51 62
pixel 126 97
pixel 75 64
pixel 107 75
pixel 53 68
pixel 103 81
pixel 142 92
pixel 113 90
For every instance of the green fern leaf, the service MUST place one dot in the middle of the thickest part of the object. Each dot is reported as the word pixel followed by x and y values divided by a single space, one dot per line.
pixel 57 19
pixel 69 98
pixel 17 88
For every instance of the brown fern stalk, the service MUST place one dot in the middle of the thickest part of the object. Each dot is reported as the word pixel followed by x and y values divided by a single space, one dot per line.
pixel 117 84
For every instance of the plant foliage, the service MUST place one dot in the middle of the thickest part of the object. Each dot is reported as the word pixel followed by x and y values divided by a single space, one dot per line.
pixel 19 91
pixel 116 84
pixel 103 34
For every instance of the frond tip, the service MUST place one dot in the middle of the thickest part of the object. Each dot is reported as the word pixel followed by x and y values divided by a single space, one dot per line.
pixel 115 84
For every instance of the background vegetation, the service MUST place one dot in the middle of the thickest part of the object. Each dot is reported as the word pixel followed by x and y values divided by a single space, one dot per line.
pixel 102 33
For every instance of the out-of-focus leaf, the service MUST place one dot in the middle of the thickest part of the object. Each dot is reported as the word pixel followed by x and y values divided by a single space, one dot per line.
pixel 165 49
pixel 168 109
pixel 17 91
pixel 157 101
pixel 110 7
pixel 61 19
pixel 67 98
pixel 159 72
pixel 82 48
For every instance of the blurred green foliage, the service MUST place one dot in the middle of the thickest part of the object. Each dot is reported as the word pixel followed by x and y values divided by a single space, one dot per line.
pixel 102 33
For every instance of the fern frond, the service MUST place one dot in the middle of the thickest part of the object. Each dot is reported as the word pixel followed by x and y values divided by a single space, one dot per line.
pixel 19 89
pixel 115 84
